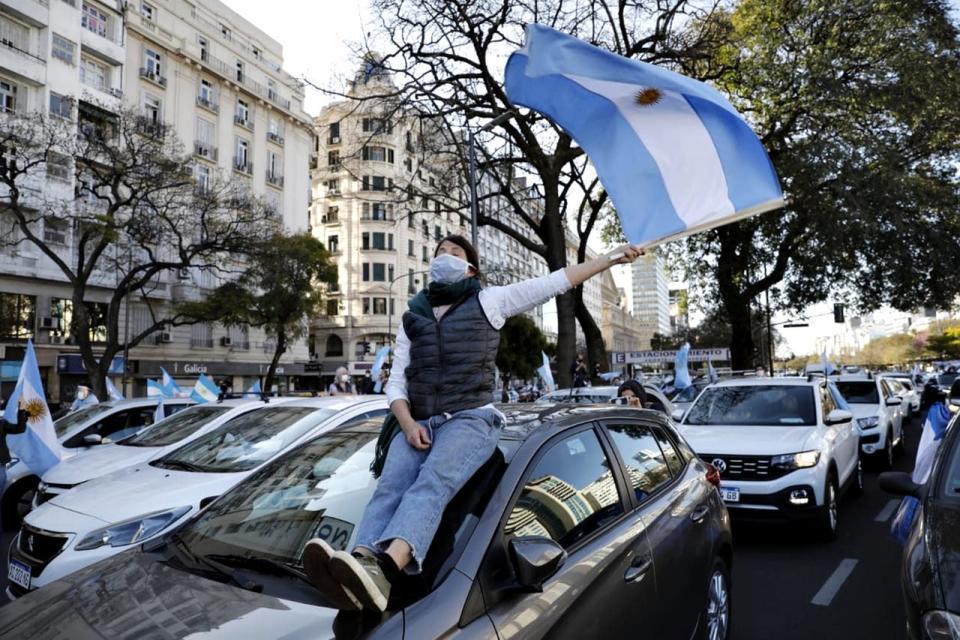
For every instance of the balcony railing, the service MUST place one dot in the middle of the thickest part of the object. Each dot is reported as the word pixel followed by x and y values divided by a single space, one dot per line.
pixel 243 121
pixel 208 103
pixel 148 126
pixel 275 137
pixel 243 165
pixel 153 76
pixel 22 52
pixel 275 179
pixel 230 72
pixel 204 150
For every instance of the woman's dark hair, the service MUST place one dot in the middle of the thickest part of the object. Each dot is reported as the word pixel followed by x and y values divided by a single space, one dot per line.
pixel 472 256
pixel 634 386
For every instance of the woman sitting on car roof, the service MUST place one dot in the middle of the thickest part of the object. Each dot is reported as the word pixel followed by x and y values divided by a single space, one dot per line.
pixel 439 391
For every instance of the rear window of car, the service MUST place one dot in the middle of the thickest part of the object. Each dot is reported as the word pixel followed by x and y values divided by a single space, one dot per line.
pixel 759 405
pixel 177 427
pixel 946 379
pixel 859 392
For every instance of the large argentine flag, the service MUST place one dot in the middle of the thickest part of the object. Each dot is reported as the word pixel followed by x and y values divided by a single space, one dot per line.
pixel 37 447
pixel 673 154
pixel 206 390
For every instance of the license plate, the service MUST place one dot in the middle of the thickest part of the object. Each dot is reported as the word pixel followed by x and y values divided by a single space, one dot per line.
pixel 730 494
pixel 19 574
pixel 335 532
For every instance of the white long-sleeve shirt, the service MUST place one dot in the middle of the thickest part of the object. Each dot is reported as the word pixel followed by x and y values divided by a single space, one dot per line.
pixel 498 303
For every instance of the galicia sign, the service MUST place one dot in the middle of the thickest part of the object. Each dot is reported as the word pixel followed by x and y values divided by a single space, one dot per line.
pixel 657 357
pixel 194 368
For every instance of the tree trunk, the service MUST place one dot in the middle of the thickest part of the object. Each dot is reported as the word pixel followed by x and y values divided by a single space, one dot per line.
pixel 280 349
pixel 741 334
pixel 596 349
pixel 554 236
pixel 504 394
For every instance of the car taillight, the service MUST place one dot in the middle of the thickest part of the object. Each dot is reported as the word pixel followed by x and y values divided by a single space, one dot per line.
pixel 713 476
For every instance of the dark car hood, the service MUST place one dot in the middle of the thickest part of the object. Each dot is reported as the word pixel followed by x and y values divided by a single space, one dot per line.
pixel 943 538
pixel 133 595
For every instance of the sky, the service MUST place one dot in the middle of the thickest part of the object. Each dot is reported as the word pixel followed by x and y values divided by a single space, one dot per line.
pixel 315 37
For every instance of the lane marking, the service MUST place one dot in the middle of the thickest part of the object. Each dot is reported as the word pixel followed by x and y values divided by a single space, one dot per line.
pixel 830 588
pixel 888 510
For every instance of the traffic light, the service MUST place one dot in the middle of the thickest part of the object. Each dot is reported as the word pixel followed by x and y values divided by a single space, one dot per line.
pixel 838 313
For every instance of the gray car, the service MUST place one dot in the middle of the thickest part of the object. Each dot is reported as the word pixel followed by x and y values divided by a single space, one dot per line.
pixel 581 510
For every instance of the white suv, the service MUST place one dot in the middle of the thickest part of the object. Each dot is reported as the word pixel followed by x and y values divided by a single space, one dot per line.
pixel 879 413
pixel 784 448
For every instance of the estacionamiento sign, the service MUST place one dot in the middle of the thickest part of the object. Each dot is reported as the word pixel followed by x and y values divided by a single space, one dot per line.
pixel 657 357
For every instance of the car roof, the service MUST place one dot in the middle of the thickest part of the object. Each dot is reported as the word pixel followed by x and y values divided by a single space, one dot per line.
pixel 755 381
pixel 856 378
pixel 140 402
pixel 337 403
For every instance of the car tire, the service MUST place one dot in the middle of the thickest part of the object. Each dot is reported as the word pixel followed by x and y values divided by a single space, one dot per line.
pixel 827 523
pixel 18 501
pixel 883 459
pixel 717 614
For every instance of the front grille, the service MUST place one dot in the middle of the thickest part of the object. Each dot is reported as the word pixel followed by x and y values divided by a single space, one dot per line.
pixel 41 546
pixel 745 467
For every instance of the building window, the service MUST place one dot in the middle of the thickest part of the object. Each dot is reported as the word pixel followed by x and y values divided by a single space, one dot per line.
pixel 379 272
pixel 365 269
pixel 376 125
pixel 58 168
pixel 207 93
pixel 410 249
pixel 148 11
pixel 61 106
pixel 13 35
pixel 93 74
pixel 92 19
pixel 243 112
pixel 239 71
pixel 202 175
pixel 333 214
pixel 377 183
pixel 436 233
pixel 333 187
pixel 425 256
pixel 243 153
pixel 411 220
pixel 379 241
pixel 225 32
pixel 255 52
pixel 151 62
pixel 201 335
pixel 204 48
pixel 365 241
pixel 334 133
pixel 17 315
pixel 333 158
pixel 63 49
pixel 205 130
pixel 379 306
pixel 152 109
pixel 333 308
pixel 411 281
pixel 333 244
pixel 274 168
pixel 376 154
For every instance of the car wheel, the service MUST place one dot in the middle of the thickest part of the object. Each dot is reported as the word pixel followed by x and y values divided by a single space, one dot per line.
pixel 17 502
pixel 856 485
pixel 883 459
pixel 828 518
pixel 717 617
pixel 898 449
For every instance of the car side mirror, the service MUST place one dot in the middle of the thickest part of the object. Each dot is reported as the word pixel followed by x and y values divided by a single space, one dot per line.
pixel 838 416
pixel 677 414
pixel 92 439
pixel 899 483
pixel 535 559
pixel 894 401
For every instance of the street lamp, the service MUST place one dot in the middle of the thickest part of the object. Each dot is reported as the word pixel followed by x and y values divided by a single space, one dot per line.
pixel 472 156
pixel 390 311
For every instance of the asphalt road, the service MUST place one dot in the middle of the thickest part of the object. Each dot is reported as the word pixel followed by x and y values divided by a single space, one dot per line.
pixel 779 573
pixel 788 587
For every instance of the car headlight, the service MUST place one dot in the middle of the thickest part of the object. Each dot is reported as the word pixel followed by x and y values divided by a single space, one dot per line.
pixel 941 625
pixel 12 462
pixel 868 423
pixel 796 460
pixel 131 531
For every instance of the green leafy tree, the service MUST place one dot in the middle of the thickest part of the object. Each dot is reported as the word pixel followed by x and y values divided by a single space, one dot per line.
pixel 519 355
pixel 278 292
pixel 856 103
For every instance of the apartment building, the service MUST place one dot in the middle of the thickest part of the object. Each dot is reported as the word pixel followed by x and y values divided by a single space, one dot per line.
pixel 218 81
pixel 650 295
pixel 382 200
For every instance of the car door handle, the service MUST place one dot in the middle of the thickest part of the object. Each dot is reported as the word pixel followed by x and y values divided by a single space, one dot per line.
pixel 700 513
pixel 638 569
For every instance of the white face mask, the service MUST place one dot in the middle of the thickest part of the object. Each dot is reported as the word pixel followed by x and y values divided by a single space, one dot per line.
pixel 447 269
pixel 345 378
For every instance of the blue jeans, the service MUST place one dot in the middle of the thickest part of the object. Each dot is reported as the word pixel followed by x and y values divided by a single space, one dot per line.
pixel 416 486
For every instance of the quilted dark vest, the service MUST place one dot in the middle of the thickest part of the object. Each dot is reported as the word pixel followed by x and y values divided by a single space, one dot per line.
pixel 452 360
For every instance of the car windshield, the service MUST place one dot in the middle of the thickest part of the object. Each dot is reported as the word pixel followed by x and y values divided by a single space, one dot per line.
pixel 759 405
pixel 859 392
pixel 176 427
pixel 246 441
pixel 317 491
pixel 78 417
pixel 946 379
pixel 687 394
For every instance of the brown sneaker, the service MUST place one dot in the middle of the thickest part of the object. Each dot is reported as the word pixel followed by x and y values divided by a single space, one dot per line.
pixel 363 577
pixel 316 564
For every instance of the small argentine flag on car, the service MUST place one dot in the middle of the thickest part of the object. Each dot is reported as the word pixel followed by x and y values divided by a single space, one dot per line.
pixel 205 390
pixel 672 152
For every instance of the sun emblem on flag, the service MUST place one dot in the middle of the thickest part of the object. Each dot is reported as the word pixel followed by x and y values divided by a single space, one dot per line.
pixel 648 96
pixel 35 409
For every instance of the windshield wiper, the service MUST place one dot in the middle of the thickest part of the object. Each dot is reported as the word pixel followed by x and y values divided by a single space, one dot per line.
pixel 260 564
pixel 182 465
pixel 218 568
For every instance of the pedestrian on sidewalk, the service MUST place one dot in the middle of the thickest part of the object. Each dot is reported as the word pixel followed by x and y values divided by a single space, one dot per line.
pixel 443 426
